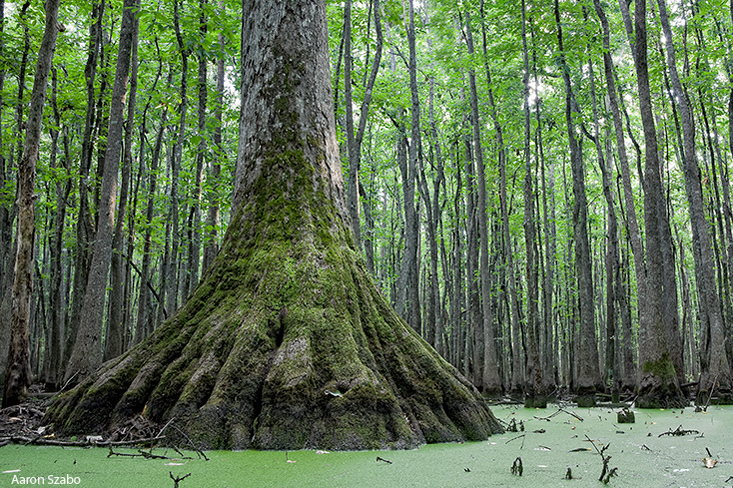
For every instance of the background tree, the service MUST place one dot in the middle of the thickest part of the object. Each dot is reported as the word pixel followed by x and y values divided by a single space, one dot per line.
pixel 18 374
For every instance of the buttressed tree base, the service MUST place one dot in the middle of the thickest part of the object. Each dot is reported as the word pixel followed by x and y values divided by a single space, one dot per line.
pixel 287 343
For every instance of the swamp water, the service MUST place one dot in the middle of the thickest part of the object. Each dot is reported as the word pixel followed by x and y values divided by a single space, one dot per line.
pixel 547 449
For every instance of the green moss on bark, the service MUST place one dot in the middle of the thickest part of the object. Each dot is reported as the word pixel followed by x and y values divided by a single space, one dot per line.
pixel 658 387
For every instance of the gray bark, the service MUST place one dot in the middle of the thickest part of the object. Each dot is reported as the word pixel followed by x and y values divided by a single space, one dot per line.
pixel 86 355
pixel 116 324
pixel 85 224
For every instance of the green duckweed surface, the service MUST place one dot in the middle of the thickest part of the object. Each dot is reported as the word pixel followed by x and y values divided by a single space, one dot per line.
pixel 643 458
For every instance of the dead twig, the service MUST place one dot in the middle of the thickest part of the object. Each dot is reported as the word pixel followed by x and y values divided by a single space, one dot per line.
pixel 166 426
pixel 177 479
pixel 190 442
pixel 383 460
pixel 606 472
pixel 514 427
pixel 518 437
pixel 611 473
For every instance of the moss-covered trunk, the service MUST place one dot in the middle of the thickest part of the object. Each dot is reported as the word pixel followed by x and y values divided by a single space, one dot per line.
pixel 287 343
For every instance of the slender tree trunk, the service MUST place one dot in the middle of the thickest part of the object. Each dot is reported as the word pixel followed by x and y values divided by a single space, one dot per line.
pixel 431 295
pixel 631 221
pixel 116 323
pixel 86 355
pixel 612 253
pixel 473 297
pixel 173 261
pixel 57 303
pixel 487 371
pixel 436 322
pixel 457 304
pixel 408 287
pixel 194 247
pixel 535 394
pixel 715 361
pixel 211 244
pixel 6 231
pixel 85 223
pixel 657 381
pixel 18 374
pixel 589 378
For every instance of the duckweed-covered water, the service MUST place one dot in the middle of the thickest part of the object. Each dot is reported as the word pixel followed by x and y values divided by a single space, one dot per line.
pixel 547 449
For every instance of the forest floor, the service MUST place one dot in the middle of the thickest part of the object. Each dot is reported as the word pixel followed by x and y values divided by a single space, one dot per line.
pixel 559 447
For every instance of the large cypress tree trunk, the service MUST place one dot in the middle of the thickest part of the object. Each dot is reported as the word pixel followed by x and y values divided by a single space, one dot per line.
pixel 287 342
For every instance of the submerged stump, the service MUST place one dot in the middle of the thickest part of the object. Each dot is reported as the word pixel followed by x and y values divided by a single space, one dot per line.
pixel 287 342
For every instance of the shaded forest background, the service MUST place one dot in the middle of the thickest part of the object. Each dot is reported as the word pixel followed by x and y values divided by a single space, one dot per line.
pixel 498 169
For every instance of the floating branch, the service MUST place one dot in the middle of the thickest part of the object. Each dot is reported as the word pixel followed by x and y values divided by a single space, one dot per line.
pixel 383 460
pixel 678 432
pixel 560 410
pixel 190 442
pixel 42 441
